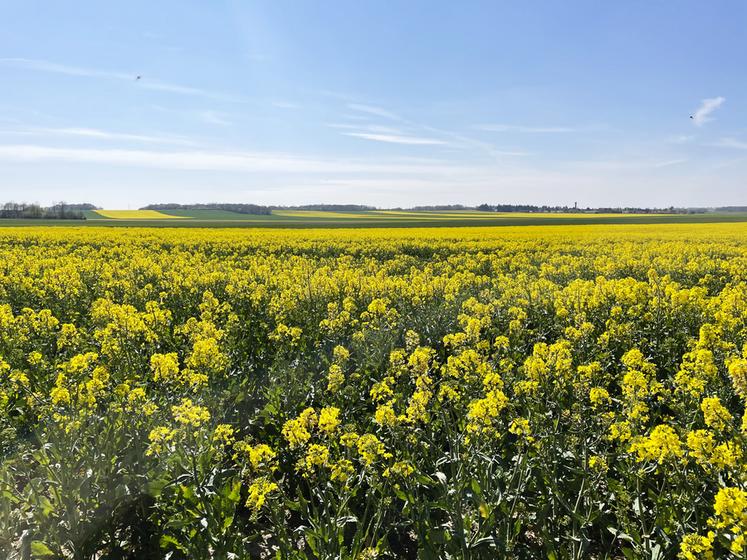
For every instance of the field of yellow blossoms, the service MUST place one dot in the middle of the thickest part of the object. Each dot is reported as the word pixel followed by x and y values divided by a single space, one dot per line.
pixel 559 392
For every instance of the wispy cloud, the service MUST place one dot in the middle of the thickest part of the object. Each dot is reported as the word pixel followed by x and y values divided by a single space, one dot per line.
pixel 396 139
pixel 53 67
pixel 373 110
pixel 99 134
pixel 145 82
pixel 285 104
pixel 681 138
pixel 634 164
pixel 413 133
pixel 215 117
pixel 521 128
pixel 707 106
pixel 668 163
pixel 223 161
pixel 731 143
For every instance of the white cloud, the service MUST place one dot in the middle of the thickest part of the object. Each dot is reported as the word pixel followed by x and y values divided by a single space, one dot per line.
pixel 681 138
pixel 215 117
pixel 731 143
pixel 707 106
pixel 100 135
pixel 668 162
pixel 630 165
pixel 46 66
pixel 285 105
pixel 396 139
pixel 145 82
pixel 520 128
pixel 222 161
pixel 373 110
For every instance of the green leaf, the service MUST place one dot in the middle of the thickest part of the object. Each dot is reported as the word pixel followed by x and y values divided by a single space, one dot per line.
pixel 187 491
pixel 235 494
pixel 168 541
pixel 41 550
pixel 155 487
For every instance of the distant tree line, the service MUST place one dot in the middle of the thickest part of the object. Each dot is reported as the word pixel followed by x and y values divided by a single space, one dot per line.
pixel 82 206
pixel 257 209
pixel 238 208
pixel 328 207
pixel 438 207
pixel 587 210
pixel 264 210
pixel 731 209
pixel 58 211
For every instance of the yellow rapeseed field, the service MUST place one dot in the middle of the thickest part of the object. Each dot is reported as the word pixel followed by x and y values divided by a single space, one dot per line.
pixel 529 392
pixel 136 215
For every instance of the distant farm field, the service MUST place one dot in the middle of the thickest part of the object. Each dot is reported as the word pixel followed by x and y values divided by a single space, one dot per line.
pixel 374 218
pixel 129 215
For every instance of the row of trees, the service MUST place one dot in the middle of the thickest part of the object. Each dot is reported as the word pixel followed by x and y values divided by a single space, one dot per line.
pixel 587 210
pixel 328 207
pixel 238 208
pixel 257 209
pixel 58 211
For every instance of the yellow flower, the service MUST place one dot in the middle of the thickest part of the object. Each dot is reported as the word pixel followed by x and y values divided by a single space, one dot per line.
pixel 483 412
pixel 620 431
pixel 342 470
pixel 520 427
pixel 381 390
pixel 598 396
pixel 316 456
pixel 258 492
pixel 17 378
pixel 598 464
pixel 448 393
pixel 402 469
pixel 60 396
pixel 412 339
pixel 417 407
pixel 35 358
pixel 165 367
pixel 206 357
pixel 700 444
pixel 329 419
pixel 370 448
pixel 697 547
pixel 261 456
pixel 308 418
pixel 340 355
pixel 662 444
pixel 335 378
pixel 385 415
pixel 285 333
pixel 714 413
pixel 420 360
pixel 525 387
pixel 738 372
pixel 726 455
pixel 224 434
pixel 295 433
pixel 159 438
pixel 190 414
pixel 349 439
pixel 730 508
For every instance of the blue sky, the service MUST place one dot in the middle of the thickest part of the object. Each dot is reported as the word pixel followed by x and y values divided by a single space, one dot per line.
pixel 374 102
